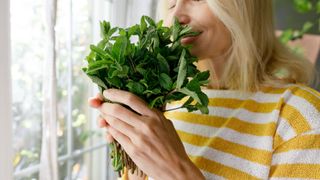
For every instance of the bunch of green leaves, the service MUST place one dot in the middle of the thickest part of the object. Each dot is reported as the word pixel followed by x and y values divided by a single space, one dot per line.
pixel 148 60
pixel 303 7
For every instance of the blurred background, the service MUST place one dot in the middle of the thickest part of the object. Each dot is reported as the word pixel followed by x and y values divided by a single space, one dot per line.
pixel 81 148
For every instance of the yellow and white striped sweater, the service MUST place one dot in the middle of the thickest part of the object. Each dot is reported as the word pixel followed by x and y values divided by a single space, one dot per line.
pixel 273 133
pixel 270 134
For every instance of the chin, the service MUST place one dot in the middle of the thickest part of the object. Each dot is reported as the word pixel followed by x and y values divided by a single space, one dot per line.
pixel 195 52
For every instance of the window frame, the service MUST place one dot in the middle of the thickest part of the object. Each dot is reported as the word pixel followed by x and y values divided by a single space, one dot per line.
pixel 5 93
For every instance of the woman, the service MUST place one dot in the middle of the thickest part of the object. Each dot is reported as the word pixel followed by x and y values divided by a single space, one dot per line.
pixel 264 122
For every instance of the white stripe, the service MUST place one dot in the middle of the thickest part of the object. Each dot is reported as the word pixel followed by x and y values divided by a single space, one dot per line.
pixel 307 110
pixel 285 130
pixel 257 142
pixel 230 160
pixel 211 176
pixel 297 156
pixel 312 132
pixel 241 114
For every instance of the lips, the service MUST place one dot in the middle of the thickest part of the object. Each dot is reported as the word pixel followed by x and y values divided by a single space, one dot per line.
pixel 189 39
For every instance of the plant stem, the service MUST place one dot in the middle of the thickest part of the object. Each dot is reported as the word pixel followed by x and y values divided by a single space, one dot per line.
pixel 173 109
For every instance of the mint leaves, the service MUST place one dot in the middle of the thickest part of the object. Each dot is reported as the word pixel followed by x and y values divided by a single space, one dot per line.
pixel 148 60
pixel 157 67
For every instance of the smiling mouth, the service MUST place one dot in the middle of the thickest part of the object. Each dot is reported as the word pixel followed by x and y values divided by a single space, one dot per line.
pixel 189 39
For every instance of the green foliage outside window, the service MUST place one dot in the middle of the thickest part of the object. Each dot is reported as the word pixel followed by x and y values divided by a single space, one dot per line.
pixel 303 7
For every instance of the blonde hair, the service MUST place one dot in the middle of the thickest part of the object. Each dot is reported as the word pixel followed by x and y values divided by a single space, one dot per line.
pixel 256 57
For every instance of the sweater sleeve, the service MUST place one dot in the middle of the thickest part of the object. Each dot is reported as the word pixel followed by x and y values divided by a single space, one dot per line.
pixel 296 148
pixel 298 157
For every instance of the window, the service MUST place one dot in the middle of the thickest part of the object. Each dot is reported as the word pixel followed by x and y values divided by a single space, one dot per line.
pixel 81 148
pixel 79 142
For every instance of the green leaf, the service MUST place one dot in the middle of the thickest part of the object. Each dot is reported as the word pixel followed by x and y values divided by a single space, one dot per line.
pixel 91 57
pixel 203 109
pixel 194 85
pixel 203 98
pixel 98 65
pixel 286 36
pixel 101 52
pixel 158 100
pixel 182 70
pixel 112 31
pixel 303 6
pixel 176 29
pixel 119 48
pixel 115 81
pixel 185 31
pixel 307 26
pixel 188 102
pixel 143 24
pixel 98 81
pixel 190 93
pixel 135 87
pixel 153 91
pixel 203 77
pixel 160 24
pixel 104 29
pixel 121 73
pixel 163 64
pixel 165 81
pixel 150 21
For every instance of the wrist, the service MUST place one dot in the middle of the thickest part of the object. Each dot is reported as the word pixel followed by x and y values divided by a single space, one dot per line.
pixel 187 170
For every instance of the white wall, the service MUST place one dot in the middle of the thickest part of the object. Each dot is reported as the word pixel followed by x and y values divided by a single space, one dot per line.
pixel 5 97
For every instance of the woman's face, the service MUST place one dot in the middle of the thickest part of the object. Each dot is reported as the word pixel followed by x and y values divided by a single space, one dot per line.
pixel 214 39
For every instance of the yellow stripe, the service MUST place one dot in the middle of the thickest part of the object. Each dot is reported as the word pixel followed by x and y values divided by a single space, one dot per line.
pixel 273 90
pixel 277 141
pixel 300 142
pixel 296 170
pixel 248 104
pixel 295 119
pixel 219 169
pixel 218 122
pixel 311 98
pixel 248 153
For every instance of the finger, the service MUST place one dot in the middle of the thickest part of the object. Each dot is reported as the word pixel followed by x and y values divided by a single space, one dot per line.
pixel 127 98
pixel 109 138
pixel 100 96
pixel 101 122
pixel 119 125
pixel 122 139
pixel 96 101
pixel 121 113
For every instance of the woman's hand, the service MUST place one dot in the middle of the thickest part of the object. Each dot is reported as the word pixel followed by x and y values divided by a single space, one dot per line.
pixel 147 136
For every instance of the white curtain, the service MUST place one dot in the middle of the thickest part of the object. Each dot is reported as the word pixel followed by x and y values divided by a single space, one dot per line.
pixel 48 162
pixel 5 95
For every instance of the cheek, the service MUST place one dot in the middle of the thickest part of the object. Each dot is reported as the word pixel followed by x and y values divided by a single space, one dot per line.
pixel 167 21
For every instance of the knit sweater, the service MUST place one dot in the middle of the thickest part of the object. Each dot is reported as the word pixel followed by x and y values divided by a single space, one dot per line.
pixel 270 134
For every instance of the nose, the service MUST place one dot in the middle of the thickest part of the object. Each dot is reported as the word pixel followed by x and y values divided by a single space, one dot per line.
pixel 183 19
pixel 181 12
